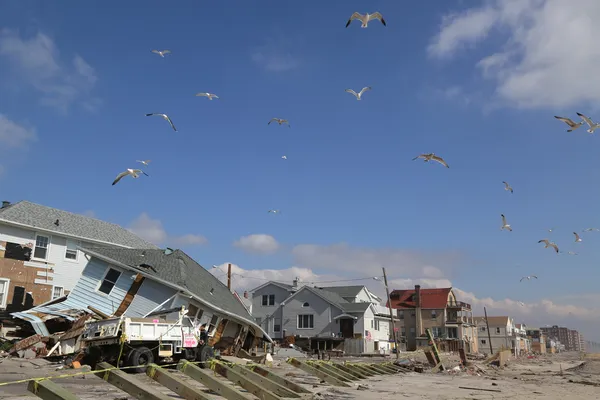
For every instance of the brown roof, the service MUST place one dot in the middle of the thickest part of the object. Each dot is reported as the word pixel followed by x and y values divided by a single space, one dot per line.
pixel 430 298
pixel 493 321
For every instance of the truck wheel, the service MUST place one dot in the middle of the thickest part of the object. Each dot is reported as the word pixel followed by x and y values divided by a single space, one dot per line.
pixel 140 356
pixel 203 354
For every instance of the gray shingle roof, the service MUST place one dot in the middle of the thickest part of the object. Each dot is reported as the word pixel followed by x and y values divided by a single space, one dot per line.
pixel 180 269
pixel 337 300
pixel 356 307
pixel 344 291
pixel 70 224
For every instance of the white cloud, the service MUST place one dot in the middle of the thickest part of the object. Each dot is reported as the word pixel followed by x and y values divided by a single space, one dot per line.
pixel 13 136
pixel 275 55
pixel 258 243
pixel 90 213
pixel 36 60
pixel 549 58
pixel 153 231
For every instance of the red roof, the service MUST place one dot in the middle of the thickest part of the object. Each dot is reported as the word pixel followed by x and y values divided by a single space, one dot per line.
pixel 430 298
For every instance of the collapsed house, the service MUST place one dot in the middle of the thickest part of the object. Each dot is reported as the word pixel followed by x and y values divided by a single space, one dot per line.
pixel 146 285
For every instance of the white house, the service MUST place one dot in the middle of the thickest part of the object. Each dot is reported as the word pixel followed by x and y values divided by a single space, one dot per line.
pixel 39 259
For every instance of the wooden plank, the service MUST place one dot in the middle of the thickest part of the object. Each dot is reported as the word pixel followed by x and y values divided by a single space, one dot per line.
pixel 362 369
pixel 314 371
pixel 334 373
pixel 48 390
pixel 279 379
pixel 206 378
pixel 381 370
pixel 353 372
pixel 137 283
pixel 247 383
pixel 436 353
pixel 129 384
pixel 385 368
pixel 267 383
pixel 330 369
pixel 175 384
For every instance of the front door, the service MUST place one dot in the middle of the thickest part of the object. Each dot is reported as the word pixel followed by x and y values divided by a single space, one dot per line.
pixel 347 328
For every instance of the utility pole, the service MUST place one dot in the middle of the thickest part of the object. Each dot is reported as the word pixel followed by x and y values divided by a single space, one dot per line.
pixel 229 276
pixel 488 329
pixel 387 291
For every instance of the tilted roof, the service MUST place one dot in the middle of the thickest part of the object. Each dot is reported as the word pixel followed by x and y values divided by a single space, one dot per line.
pixel 344 291
pixel 493 321
pixel 41 217
pixel 430 298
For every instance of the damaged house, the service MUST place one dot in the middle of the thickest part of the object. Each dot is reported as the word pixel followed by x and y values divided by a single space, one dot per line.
pixel 145 285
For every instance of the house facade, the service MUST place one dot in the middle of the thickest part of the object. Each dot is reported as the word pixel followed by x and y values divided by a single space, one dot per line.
pixel 143 283
pixel 324 317
pixel 450 320
pixel 39 255
pixel 538 340
pixel 504 335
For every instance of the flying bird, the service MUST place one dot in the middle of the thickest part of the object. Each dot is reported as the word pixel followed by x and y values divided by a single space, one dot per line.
pixel 507 186
pixel 591 229
pixel 145 162
pixel 359 94
pixel 280 121
pixel 593 126
pixel 551 229
pixel 577 238
pixel 571 253
pixel 135 173
pixel 275 211
pixel 364 19
pixel 569 122
pixel 161 53
pixel 432 156
pixel 210 96
pixel 528 277
pixel 165 117
pixel 504 224
pixel 549 244
pixel 522 304
pixel 284 157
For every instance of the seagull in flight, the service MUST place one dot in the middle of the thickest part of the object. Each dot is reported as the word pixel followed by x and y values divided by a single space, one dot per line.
pixel 569 122
pixel 359 94
pixel 280 121
pixel 593 126
pixel 145 162
pixel 161 53
pixel 210 96
pixel 284 157
pixel 528 277
pixel 549 244
pixel 364 19
pixel 551 229
pixel 522 304
pixel 507 186
pixel 165 117
pixel 504 224
pixel 275 211
pixel 571 253
pixel 577 238
pixel 591 230
pixel 135 173
pixel 430 157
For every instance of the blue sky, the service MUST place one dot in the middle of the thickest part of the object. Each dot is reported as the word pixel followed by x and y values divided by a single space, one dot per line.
pixel 76 80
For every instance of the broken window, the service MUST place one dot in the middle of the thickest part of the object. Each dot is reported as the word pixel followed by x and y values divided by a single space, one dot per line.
pixel 212 325
pixel 109 281
pixel 41 247
pixel 16 251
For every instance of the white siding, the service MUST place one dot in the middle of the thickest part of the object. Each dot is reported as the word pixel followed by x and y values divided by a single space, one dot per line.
pixel 149 296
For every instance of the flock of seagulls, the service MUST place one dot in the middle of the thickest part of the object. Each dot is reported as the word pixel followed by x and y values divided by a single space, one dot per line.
pixel 593 126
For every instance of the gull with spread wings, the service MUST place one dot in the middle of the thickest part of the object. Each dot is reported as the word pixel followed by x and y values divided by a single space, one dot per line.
pixel 569 122
pixel 135 173
pixel 528 277
pixel 507 187
pixel 431 156
pixel 165 117
pixel 364 19
pixel 505 225
pixel 161 53
pixel 280 121
pixel 577 238
pixel 549 244
pixel 593 126
pixel 209 96
pixel 359 94
pixel 145 162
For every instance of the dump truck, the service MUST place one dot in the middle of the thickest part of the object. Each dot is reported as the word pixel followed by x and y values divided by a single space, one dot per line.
pixel 137 342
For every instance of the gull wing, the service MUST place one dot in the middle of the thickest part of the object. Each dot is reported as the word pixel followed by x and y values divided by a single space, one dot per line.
pixel 352 92
pixel 285 121
pixel 170 122
pixel 166 51
pixel 353 17
pixel 440 160
pixel 533 276
pixel 555 246
pixel 586 119
pixel 156 52
pixel 522 279
pixel 421 156
pixel 213 96
pixel 567 121
pixel 202 94
pixel 546 241
pixel 273 119
pixel 377 15
pixel 503 220
pixel 577 238
pixel 364 90
pixel 137 171
pixel 120 176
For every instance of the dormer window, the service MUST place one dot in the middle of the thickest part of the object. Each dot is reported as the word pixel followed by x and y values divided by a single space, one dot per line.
pixel 305 304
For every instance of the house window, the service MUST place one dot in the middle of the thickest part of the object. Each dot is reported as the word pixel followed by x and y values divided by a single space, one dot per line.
pixel 4 284
pixel 212 326
pixel 401 314
pixel 71 252
pixel 437 331
pixel 433 314
pixel 483 341
pixel 306 321
pixel 483 329
pixel 109 281
pixel 41 247
pixel 372 324
pixel 268 300
pixel 497 330
pixel 277 325
pixel 376 324
pixel 305 304
pixel 57 292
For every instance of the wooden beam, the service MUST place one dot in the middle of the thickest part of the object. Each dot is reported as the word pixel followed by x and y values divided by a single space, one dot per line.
pixel 247 383
pixel 384 368
pixel 339 375
pixel 353 372
pixel 129 384
pixel 321 374
pixel 360 369
pixel 207 378
pixel 175 384
pixel 279 379
pixel 330 369
pixel 48 390
pixel 267 383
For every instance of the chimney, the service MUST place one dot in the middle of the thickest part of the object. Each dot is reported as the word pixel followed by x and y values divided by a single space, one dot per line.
pixel 5 204
pixel 418 316
pixel 295 283
pixel 245 294
pixel 418 296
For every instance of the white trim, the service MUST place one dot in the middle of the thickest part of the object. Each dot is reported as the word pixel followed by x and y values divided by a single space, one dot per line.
pixel 104 278
pixel 298 321
pixel 36 234
pixel 5 299
pixel 62 292
pixel 269 283
pixel 77 244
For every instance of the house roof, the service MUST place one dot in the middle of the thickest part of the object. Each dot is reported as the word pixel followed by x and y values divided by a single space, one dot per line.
pixel 247 303
pixel 280 284
pixel 344 291
pixel 430 298
pixel 36 216
pixel 493 321
pixel 334 299
pixel 179 269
